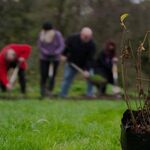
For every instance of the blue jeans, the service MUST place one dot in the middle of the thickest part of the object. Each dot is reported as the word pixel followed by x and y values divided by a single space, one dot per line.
pixel 69 74
pixel 90 87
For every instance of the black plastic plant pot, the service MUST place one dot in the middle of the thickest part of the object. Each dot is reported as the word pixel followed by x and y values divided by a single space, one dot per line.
pixel 131 140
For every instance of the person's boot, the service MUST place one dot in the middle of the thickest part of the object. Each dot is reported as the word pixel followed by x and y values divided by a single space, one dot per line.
pixel 48 93
pixel 43 93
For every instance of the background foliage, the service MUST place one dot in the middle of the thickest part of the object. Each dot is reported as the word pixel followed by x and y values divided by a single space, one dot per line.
pixel 21 20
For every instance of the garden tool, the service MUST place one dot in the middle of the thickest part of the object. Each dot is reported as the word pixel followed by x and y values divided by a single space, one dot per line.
pixel 51 70
pixel 13 78
pixel 51 66
pixel 95 79
pixel 116 89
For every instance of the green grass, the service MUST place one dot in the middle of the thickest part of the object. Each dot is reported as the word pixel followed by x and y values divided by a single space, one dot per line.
pixel 78 88
pixel 60 125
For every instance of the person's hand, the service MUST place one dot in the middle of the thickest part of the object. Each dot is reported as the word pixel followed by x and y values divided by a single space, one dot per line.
pixel 115 60
pixel 63 58
pixel 21 60
pixel 9 87
pixel 86 74
pixel 51 57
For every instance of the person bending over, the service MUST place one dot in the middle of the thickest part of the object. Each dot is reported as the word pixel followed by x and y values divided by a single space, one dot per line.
pixel 11 56
pixel 80 49
pixel 51 45
pixel 104 65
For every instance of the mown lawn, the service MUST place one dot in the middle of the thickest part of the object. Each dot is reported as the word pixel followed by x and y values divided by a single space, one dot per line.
pixel 60 125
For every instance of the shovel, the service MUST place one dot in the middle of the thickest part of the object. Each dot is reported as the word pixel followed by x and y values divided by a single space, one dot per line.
pixel 51 66
pixel 95 79
pixel 116 89
pixel 13 78
pixel 51 70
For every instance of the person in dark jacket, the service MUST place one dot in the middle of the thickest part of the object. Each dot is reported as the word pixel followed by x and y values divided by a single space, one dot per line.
pixel 104 64
pixel 80 49
pixel 51 45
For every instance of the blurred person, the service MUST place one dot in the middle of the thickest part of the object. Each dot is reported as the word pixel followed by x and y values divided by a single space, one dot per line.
pixel 104 65
pixel 80 49
pixel 11 56
pixel 51 45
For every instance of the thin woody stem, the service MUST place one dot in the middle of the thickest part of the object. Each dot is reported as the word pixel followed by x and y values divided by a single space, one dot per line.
pixel 143 79
pixel 146 35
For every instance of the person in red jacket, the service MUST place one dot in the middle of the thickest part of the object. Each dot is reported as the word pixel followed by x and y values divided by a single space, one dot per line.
pixel 11 56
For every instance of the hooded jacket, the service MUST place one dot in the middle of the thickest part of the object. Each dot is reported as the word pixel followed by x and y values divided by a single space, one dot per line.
pixel 51 44
pixel 21 50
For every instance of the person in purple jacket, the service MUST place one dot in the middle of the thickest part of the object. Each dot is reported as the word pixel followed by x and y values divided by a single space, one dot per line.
pixel 51 45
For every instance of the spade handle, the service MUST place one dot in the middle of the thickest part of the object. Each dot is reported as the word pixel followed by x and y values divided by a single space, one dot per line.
pixel 77 68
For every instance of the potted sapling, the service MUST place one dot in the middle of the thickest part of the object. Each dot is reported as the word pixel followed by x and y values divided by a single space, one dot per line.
pixel 135 124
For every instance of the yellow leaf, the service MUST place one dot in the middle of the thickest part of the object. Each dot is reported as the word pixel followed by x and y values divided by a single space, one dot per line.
pixel 123 17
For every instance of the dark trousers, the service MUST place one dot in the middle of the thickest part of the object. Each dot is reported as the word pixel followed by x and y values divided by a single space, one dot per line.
pixel 44 69
pixel 102 88
pixel 107 74
pixel 22 82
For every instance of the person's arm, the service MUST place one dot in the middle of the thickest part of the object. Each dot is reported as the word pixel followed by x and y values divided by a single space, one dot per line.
pixel 67 48
pixel 90 57
pixel 102 62
pixel 66 51
pixel 25 51
pixel 61 44
pixel 42 49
